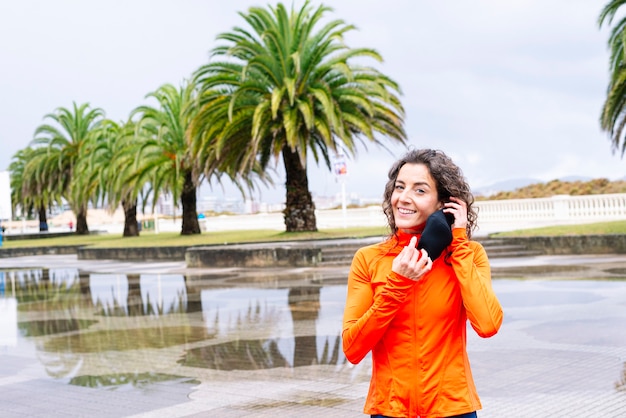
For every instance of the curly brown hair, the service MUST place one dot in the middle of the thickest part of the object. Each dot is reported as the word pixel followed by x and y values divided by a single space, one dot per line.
pixel 448 178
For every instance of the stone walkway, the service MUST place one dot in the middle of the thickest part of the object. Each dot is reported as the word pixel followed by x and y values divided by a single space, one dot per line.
pixel 561 352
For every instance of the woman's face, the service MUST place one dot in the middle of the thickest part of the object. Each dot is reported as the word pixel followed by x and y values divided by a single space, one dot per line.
pixel 414 197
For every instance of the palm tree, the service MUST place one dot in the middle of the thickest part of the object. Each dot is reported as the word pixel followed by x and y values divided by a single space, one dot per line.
pixel 65 142
pixel 110 165
pixel 163 154
pixel 288 90
pixel 613 116
pixel 20 195
pixel 27 190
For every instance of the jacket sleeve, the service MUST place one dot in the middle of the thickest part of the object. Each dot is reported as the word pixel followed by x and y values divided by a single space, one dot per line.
pixel 368 312
pixel 471 265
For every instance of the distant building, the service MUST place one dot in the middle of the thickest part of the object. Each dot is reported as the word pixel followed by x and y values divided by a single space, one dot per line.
pixel 219 205
pixel 6 211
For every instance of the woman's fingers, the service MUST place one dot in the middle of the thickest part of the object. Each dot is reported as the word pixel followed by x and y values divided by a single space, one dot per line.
pixel 458 208
pixel 411 262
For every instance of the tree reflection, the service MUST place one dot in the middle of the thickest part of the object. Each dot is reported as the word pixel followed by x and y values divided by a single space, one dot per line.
pixel 78 325
pixel 84 284
pixel 330 354
pixel 134 301
pixel 304 305
pixel 119 336
pixel 137 380
pixel 241 354
pixel 39 290
pixel 621 384
pixel 194 299
pixel 253 354
pixel 90 321
pixel 237 355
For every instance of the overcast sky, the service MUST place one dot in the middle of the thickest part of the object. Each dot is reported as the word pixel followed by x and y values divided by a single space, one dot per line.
pixel 510 89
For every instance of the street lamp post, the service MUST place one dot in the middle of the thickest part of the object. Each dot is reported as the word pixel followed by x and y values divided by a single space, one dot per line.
pixel 341 171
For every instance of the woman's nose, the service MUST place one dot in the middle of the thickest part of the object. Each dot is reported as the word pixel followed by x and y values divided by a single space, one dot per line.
pixel 404 196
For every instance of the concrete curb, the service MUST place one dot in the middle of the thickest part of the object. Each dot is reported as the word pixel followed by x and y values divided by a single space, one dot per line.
pixel 571 244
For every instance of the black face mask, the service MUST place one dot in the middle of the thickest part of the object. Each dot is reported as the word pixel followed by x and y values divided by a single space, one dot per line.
pixel 437 234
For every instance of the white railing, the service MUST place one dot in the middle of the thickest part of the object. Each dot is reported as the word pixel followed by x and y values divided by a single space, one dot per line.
pixel 493 216
pixel 326 219
pixel 556 210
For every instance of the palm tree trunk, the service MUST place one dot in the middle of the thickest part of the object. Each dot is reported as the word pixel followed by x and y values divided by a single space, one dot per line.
pixel 134 302
pixel 304 305
pixel 131 228
pixel 43 218
pixel 81 221
pixel 299 207
pixel 84 285
pixel 194 297
pixel 188 200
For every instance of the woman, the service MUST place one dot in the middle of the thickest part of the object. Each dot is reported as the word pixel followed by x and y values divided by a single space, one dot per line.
pixel 411 311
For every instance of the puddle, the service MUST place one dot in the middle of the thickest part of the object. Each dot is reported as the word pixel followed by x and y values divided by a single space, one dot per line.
pixel 51 327
pixel 132 332
pixel 576 332
pixel 136 338
pixel 543 297
pixel 123 381
pixel 266 354
pixel 83 326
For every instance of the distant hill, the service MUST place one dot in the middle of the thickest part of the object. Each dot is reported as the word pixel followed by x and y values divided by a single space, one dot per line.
pixel 572 185
pixel 504 186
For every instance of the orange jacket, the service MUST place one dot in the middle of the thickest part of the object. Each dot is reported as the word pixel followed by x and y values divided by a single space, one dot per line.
pixel 416 330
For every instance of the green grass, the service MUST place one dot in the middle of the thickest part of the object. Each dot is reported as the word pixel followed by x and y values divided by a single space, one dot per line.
pixel 600 228
pixel 165 239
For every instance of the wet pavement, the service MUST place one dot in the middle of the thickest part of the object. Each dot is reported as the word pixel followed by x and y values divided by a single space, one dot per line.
pixel 119 339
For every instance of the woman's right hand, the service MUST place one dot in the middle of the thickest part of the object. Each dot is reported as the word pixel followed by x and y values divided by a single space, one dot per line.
pixel 411 262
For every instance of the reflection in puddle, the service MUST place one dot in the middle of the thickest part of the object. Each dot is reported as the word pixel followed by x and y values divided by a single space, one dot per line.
pixel 110 330
pixel 266 354
pixel 51 327
pixel 126 339
pixel 132 331
pixel 134 380
pixel 137 295
pixel 621 384
pixel 576 332
pixel 543 297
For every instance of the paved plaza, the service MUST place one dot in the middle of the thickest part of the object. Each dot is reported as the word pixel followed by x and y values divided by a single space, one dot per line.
pixel 265 343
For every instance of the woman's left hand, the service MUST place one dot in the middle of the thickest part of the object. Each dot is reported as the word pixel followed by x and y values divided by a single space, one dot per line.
pixel 458 208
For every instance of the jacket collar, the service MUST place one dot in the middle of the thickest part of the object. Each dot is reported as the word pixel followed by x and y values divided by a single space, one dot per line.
pixel 399 240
